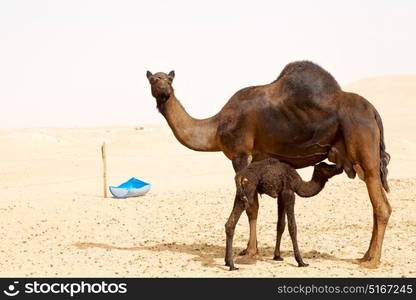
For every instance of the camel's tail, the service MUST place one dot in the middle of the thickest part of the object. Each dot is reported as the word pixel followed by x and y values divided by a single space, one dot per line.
pixel 384 156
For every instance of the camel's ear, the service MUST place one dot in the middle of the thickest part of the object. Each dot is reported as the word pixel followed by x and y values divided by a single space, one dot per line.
pixel 148 74
pixel 171 75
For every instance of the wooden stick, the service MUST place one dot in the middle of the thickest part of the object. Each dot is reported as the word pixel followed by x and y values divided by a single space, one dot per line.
pixel 104 156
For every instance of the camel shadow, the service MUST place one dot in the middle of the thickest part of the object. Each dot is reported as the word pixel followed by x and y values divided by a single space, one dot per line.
pixel 204 253
pixel 207 254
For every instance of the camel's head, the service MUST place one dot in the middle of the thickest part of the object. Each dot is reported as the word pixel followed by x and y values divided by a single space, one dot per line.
pixel 325 171
pixel 161 84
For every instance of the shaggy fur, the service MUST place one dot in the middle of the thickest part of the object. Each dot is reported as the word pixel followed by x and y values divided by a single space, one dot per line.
pixel 276 179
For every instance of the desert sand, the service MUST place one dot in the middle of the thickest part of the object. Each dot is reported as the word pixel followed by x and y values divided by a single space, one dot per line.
pixel 55 222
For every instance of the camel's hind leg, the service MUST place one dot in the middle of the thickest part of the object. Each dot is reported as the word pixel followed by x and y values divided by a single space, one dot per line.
pixel 381 215
pixel 289 204
pixel 362 140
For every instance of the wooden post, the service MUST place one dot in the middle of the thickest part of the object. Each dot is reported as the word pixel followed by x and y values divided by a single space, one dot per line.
pixel 104 156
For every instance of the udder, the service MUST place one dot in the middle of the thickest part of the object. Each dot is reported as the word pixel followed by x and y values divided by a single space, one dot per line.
pixel 338 156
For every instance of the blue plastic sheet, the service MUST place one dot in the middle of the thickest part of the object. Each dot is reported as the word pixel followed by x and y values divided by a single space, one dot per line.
pixel 131 188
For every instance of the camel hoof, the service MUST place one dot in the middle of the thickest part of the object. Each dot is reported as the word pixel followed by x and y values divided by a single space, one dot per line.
pixel 366 257
pixel 233 268
pixel 242 253
pixel 277 258
pixel 370 264
pixel 302 265
pixel 245 260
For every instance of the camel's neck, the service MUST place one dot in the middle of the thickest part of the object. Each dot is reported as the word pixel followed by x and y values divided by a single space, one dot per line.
pixel 199 135
pixel 312 187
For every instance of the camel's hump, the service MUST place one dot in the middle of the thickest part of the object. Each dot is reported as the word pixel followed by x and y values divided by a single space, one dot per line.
pixel 307 77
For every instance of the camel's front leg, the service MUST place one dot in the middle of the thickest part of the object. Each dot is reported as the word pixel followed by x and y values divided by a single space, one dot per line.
pixel 251 251
pixel 239 163
pixel 229 230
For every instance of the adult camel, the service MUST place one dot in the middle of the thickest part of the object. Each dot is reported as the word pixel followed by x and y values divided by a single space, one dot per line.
pixel 301 118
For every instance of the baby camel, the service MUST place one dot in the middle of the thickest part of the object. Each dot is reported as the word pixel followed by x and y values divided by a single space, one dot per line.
pixel 276 179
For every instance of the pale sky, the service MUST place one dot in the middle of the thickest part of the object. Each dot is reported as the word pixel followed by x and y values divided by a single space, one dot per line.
pixel 83 63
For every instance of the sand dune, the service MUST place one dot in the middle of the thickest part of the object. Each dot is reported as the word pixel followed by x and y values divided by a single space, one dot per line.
pixel 391 95
pixel 54 221
pixel 394 98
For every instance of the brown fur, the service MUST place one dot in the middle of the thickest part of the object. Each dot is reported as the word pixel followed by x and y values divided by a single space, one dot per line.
pixel 301 118
pixel 276 179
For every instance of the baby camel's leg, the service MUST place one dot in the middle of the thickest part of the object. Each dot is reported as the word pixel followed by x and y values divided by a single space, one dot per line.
pixel 289 202
pixel 229 230
pixel 239 163
pixel 248 255
pixel 281 223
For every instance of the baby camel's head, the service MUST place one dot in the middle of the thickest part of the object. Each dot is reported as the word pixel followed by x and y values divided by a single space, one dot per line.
pixel 324 171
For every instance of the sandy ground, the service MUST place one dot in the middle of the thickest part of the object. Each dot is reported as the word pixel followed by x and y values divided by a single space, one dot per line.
pixel 55 222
